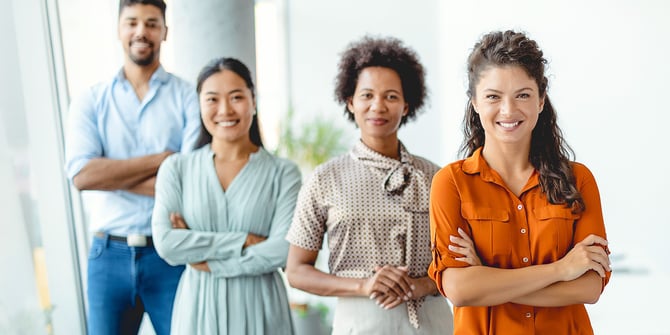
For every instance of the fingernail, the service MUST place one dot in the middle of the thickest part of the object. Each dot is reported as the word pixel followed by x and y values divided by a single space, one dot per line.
pixel 409 294
pixel 451 247
pixel 452 238
pixel 373 295
pixel 405 298
pixel 412 287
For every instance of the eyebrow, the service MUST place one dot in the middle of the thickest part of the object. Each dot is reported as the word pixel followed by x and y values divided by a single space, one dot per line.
pixel 517 91
pixel 237 90
pixel 391 90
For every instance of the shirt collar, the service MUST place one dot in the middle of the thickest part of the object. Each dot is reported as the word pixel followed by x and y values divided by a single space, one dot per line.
pixel 477 164
pixel 159 76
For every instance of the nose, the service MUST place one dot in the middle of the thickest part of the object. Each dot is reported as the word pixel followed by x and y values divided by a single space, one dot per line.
pixel 224 108
pixel 378 104
pixel 140 30
pixel 507 105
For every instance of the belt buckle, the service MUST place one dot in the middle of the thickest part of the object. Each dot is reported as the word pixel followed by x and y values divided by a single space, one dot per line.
pixel 136 240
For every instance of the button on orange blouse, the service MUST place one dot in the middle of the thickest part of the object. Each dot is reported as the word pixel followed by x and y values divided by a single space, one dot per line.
pixel 509 232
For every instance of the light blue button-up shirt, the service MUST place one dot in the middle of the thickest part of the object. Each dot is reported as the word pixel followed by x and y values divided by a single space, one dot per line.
pixel 110 121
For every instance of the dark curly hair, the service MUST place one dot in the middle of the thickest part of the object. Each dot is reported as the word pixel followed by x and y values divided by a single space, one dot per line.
pixel 388 52
pixel 549 153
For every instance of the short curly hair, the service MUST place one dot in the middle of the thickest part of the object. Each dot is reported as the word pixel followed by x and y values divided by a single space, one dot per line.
pixel 388 52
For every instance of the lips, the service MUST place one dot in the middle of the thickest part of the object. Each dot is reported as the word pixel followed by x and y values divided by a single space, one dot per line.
pixel 227 123
pixel 509 125
pixel 377 121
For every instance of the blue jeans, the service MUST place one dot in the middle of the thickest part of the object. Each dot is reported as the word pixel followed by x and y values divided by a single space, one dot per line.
pixel 123 282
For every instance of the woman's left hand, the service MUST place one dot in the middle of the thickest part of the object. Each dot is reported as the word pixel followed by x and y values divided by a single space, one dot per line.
pixel 464 246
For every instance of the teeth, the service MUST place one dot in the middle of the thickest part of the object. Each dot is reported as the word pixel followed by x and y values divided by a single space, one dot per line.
pixel 226 123
pixel 508 124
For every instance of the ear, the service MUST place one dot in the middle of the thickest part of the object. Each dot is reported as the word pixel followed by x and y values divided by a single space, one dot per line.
pixel 165 34
pixel 542 103
pixel 350 106
pixel 474 105
pixel 405 110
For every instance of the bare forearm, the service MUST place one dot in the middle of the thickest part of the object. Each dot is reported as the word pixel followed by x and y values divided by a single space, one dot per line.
pixel 111 174
pixel 309 279
pixel 146 187
pixel 487 286
pixel 583 290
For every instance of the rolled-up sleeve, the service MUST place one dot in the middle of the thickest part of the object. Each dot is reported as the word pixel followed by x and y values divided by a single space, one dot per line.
pixel 82 139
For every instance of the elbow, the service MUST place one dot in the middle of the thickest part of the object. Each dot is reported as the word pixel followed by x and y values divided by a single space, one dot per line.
pixel 455 292
pixel 80 182
pixel 292 276
pixel 592 298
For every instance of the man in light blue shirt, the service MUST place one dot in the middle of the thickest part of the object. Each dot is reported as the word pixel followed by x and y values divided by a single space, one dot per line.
pixel 119 132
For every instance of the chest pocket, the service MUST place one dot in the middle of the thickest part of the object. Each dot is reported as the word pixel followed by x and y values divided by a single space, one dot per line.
pixel 557 223
pixel 491 230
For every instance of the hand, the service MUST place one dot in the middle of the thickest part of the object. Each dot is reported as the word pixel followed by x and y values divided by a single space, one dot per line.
pixel 465 247
pixel 589 254
pixel 389 286
pixel 178 221
pixel 201 266
pixel 253 239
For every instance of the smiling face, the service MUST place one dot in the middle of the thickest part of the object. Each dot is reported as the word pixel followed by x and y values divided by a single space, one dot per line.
pixel 141 32
pixel 508 103
pixel 378 104
pixel 227 107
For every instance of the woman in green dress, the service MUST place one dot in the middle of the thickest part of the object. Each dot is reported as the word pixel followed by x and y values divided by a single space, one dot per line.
pixel 224 210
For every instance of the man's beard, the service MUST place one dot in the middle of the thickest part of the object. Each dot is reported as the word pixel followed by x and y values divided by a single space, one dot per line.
pixel 143 61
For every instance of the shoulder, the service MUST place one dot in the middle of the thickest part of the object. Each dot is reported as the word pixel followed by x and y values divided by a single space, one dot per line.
pixel 180 83
pixel 283 165
pixel 450 171
pixel 581 172
pixel 425 165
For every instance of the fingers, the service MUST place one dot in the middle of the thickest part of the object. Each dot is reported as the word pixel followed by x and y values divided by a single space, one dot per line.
pixel 389 301
pixel 593 239
pixel 465 246
pixel 178 221
pixel 390 280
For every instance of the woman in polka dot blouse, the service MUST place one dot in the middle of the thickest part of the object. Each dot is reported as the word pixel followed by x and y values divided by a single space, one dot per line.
pixel 373 204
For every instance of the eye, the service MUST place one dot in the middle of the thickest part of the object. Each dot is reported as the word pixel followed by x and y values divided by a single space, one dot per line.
pixel 237 97
pixel 492 97
pixel 523 96
pixel 392 97
pixel 151 25
pixel 210 99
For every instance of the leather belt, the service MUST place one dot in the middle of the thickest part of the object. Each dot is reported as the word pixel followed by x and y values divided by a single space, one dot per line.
pixel 132 240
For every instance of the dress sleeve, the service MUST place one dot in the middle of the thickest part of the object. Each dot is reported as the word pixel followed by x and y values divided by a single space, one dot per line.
pixel 183 246
pixel 591 219
pixel 309 221
pixel 270 254
pixel 82 141
pixel 445 219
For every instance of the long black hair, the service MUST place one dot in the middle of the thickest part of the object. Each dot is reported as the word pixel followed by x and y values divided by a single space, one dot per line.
pixel 549 154
pixel 230 64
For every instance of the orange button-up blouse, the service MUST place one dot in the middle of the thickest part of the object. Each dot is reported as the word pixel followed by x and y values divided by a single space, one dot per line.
pixel 509 232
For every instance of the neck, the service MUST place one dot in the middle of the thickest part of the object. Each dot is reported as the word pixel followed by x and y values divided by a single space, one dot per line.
pixel 389 147
pixel 139 75
pixel 228 152
pixel 507 159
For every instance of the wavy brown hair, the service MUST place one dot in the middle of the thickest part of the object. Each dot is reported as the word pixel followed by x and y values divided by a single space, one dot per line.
pixel 549 153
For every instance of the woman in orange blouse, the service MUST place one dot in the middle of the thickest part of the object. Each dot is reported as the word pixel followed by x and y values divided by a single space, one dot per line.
pixel 533 215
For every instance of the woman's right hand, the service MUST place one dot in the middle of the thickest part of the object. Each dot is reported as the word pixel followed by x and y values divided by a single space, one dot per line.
pixel 465 246
pixel 253 239
pixel 588 254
